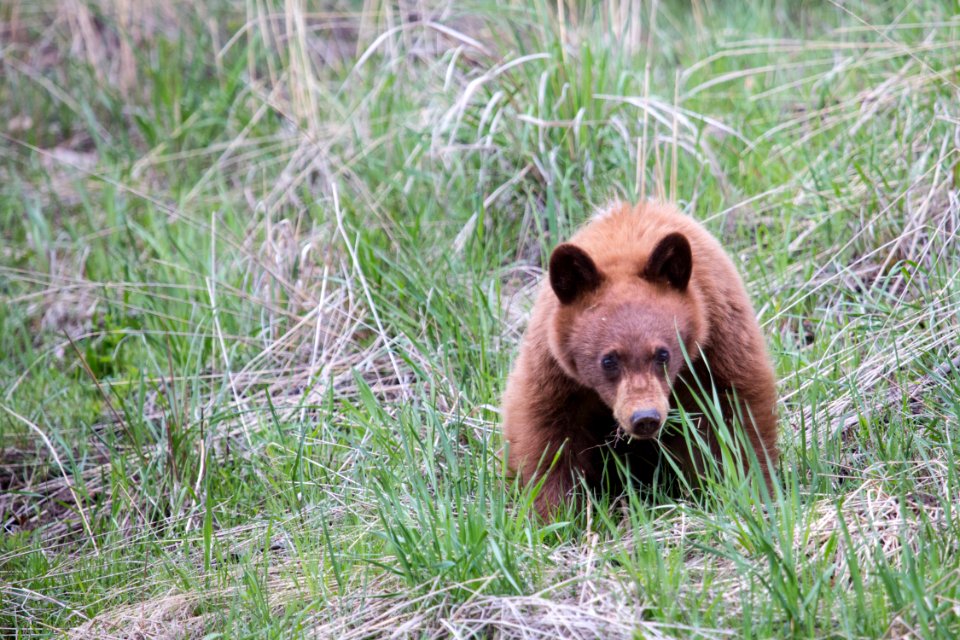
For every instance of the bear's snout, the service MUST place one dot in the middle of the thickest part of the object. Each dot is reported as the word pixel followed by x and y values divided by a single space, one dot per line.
pixel 645 423
pixel 640 407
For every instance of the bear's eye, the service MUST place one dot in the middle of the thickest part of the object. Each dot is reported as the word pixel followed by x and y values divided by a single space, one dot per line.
pixel 610 363
pixel 662 356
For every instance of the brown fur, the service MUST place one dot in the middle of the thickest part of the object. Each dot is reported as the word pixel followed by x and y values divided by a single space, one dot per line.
pixel 627 295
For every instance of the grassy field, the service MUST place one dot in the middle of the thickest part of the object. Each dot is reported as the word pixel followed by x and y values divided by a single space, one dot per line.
pixel 264 267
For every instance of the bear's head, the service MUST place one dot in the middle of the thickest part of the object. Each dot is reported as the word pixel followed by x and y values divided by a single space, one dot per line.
pixel 622 324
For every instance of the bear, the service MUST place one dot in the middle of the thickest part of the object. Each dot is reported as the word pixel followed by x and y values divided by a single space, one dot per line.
pixel 640 307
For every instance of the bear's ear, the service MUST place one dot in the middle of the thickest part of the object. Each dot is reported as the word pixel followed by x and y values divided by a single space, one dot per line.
pixel 572 273
pixel 671 261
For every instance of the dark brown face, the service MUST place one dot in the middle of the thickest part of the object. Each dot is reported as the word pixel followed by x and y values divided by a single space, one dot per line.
pixel 630 355
pixel 622 338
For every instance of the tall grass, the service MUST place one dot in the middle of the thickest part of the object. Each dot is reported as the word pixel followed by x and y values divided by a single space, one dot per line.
pixel 265 265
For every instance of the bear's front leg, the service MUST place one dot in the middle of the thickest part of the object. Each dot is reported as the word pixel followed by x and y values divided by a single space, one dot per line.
pixel 539 450
pixel 543 418
pixel 557 489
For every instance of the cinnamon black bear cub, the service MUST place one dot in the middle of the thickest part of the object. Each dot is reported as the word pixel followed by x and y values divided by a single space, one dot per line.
pixel 603 350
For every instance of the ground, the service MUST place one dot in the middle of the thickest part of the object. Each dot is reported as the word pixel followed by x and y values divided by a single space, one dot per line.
pixel 264 266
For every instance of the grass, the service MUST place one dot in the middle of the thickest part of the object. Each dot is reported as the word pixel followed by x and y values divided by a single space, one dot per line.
pixel 265 265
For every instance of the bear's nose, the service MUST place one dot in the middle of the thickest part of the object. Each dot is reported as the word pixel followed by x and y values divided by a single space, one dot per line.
pixel 645 421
